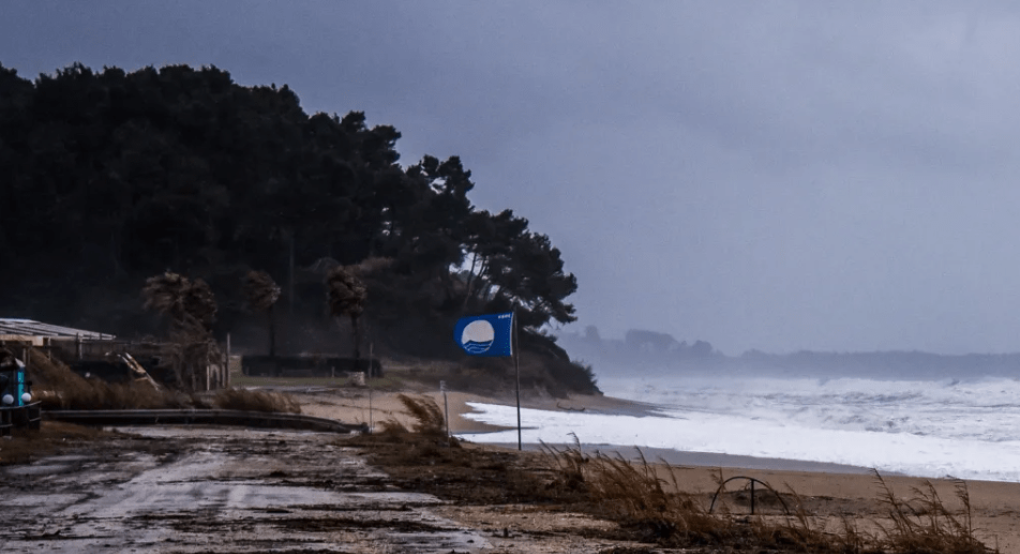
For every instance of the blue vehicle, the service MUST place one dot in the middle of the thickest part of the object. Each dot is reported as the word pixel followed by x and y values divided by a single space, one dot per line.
pixel 18 409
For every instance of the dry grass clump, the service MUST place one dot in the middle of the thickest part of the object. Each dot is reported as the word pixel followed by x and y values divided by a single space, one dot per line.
pixel 256 401
pixel 393 428
pixel 428 418
pixel 633 494
pixel 923 524
pixel 797 529
pixel 426 443
pixel 59 388
pixel 427 438
pixel 427 415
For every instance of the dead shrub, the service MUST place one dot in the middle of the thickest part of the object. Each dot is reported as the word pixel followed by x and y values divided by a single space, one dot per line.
pixel 256 401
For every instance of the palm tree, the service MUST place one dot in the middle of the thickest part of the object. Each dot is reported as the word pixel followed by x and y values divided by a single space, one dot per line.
pixel 191 307
pixel 262 293
pixel 346 294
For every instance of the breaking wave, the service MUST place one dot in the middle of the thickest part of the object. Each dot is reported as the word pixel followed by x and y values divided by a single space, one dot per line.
pixel 923 428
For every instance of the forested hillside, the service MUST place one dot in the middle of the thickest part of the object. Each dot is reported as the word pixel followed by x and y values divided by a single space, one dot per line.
pixel 108 178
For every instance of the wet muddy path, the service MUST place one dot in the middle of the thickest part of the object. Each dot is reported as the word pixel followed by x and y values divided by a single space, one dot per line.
pixel 218 490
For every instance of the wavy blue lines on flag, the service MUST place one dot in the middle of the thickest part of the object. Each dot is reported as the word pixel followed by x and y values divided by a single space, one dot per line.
pixel 486 335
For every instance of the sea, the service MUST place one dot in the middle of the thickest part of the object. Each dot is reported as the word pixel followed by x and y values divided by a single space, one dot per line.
pixel 937 429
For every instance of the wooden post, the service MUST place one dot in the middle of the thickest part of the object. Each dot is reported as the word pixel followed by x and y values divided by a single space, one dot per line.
pixel 370 346
pixel 228 361
pixel 752 497
pixel 290 276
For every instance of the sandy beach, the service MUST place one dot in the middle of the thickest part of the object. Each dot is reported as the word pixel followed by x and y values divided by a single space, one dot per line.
pixel 360 405
pixel 832 488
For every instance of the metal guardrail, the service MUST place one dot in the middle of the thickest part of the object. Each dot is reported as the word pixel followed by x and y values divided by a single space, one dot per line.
pixel 28 416
pixel 6 423
pixel 204 417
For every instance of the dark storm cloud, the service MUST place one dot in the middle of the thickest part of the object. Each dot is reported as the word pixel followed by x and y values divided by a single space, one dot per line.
pixel 777 175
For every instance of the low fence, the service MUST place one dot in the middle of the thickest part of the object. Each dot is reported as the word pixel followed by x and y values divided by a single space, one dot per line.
pixel 204 417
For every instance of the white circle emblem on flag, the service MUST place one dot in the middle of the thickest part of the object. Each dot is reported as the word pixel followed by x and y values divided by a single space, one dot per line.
pixel 478 336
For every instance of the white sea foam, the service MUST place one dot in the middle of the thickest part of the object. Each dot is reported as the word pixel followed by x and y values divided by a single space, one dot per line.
pixel 923 428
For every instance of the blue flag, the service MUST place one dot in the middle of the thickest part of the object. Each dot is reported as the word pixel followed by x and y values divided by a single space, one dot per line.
pixel 486 335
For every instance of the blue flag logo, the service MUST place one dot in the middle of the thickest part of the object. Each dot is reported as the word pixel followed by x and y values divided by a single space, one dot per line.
pixel 486 335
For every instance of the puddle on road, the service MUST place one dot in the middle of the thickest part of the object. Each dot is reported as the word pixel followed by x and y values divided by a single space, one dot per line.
pixel 39 469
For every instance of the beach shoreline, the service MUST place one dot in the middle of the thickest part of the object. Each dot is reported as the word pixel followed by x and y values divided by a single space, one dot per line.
pixel 995 504
pixel 353 406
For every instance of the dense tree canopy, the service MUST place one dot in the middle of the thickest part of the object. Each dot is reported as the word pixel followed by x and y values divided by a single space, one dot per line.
pixel 107 178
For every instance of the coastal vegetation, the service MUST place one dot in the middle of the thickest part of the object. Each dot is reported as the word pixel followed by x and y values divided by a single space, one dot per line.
pixel 114 178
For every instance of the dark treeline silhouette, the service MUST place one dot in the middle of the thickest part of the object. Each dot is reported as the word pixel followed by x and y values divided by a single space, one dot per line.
pixel 653 353
pixel 108 178
pixel 893 364
pixel 650 352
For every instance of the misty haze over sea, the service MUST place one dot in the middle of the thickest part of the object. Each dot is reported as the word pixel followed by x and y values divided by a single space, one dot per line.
pixel 651 353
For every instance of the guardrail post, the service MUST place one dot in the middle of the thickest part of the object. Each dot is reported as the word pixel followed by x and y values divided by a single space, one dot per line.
pixel 752 497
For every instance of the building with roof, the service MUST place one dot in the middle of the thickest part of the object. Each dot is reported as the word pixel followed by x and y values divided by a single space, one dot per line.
pixel 37 333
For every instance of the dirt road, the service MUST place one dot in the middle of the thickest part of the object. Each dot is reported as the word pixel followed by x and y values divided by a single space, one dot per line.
pixel 218 490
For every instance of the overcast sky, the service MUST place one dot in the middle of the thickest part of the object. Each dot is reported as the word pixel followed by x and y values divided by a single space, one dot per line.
pixel 769 175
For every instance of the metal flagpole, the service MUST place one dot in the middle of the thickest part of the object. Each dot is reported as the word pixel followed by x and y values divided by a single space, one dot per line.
pixel 517 371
